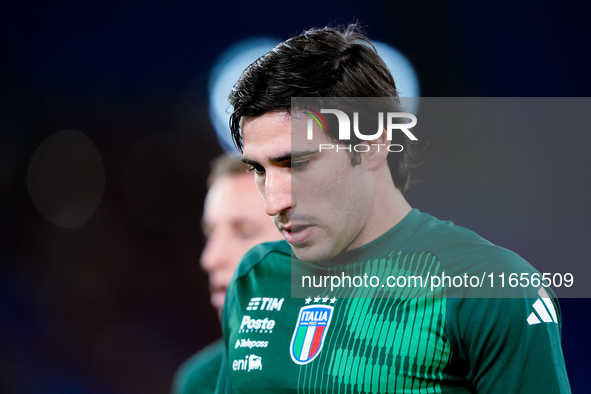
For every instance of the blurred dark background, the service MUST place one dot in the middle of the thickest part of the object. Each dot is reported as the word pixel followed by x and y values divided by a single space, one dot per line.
pixel 110 298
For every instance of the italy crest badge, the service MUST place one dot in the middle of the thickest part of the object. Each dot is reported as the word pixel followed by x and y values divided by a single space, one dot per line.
pixel 310 332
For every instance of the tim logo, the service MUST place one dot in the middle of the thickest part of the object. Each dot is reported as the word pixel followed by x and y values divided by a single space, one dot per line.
pixel 345 124
pixel 249 363
pixel 265 303
pixel 310 332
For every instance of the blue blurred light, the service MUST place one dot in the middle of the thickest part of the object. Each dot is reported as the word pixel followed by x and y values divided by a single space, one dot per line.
pixel 226 72
pixel 235 59
pixel 404 74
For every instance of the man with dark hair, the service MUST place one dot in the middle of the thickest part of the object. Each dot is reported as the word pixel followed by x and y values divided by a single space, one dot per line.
pixel 320 63
pixel 234 222
pixel 341 209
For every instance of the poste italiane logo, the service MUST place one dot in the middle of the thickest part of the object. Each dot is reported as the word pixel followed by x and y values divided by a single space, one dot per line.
pixel 310 332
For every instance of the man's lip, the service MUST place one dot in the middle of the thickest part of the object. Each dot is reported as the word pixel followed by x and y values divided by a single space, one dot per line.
pixel 301 233
pixel 217 299
pixel 292 226
pixel 217 288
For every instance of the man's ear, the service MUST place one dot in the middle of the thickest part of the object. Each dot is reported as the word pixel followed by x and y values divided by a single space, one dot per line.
pixel 378 152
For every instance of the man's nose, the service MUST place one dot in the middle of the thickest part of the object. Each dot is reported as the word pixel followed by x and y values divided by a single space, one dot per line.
pixel 214 255
pixel 277 192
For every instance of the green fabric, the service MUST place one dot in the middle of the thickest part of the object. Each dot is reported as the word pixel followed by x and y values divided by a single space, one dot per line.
pixel 198 375
pixel 391 340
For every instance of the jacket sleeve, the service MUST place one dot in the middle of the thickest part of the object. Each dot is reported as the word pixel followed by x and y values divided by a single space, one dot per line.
pixel 224 385
pixel 224 382
pixel 511 345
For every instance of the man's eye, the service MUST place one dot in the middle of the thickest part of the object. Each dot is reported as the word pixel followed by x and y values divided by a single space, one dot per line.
pixel 246 233
pixel 257 169
pixel 299 165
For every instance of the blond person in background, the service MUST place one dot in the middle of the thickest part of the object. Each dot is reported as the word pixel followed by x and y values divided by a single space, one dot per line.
pixel 234 221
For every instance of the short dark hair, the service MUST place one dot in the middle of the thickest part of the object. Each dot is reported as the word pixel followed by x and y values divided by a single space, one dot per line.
pixel 328 62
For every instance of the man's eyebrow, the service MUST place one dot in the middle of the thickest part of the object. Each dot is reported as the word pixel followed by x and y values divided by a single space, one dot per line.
pixel 249 162
pixel 298 154
pixel 282 158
